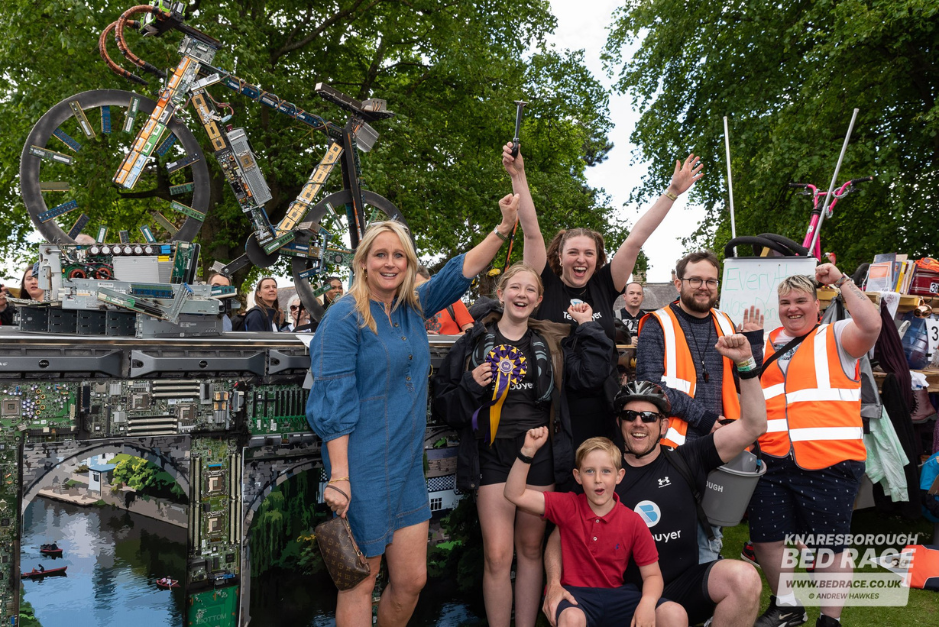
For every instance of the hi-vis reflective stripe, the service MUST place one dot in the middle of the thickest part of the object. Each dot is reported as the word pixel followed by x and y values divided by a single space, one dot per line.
pixel 774 390
pixel 677 384
pixel 824 394
pixel 826 433
pixel 821 359
pixel 727 328
pixel 674 436
pixel 671 359
pixel 776 426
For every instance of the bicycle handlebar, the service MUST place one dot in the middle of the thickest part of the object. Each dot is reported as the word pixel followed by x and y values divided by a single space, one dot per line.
pixel 863 180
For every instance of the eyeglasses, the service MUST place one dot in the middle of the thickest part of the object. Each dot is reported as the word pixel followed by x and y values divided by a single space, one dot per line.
pixel 628 415
pixel 294 307
pixel 695 282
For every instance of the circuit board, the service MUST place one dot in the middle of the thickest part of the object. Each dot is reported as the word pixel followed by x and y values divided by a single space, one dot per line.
pixel 40 409
pixel 9 538
pixel 213 607
pixel 277 409
pixel 158 407
pixel 214 512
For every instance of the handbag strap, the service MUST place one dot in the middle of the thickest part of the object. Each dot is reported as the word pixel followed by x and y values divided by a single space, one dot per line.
pixel 785 349
pixel 329 485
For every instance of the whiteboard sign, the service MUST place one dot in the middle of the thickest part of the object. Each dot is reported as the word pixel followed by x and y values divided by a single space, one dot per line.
pixel 753 282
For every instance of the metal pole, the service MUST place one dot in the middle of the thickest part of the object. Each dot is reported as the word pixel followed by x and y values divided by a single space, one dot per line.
pixel 831 188
pixel 730 181
pixel 520 104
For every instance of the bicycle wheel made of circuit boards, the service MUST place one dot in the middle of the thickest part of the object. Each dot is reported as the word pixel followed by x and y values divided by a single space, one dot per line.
pixel 76 148
pixel 322 244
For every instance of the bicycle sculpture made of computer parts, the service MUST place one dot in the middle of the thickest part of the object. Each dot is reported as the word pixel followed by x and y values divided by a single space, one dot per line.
pixel 163 149
pixel 785 246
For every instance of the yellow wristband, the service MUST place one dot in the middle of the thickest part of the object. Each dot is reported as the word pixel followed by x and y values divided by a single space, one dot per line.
pixel 669 194
pixel 337 480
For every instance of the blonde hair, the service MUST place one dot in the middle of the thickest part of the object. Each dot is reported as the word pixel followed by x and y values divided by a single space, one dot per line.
pixel 599 444
pixel 797 282
pixel 406 291
pixel 516 268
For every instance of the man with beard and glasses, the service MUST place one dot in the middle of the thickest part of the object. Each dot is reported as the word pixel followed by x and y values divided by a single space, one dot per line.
pixel 729 590
pixel 677 348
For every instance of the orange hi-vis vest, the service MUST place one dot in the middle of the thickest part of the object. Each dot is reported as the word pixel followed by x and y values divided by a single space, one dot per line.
pixel 814 410
pixel 680 372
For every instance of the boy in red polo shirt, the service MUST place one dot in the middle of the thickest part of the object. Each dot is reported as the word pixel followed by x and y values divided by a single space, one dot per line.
pixel 598 537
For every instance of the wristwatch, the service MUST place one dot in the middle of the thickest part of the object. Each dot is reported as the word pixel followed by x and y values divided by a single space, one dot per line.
pixel 496 230
pixel 844 279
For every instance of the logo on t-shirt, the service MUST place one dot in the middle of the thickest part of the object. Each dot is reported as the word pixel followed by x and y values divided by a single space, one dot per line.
pixel 664 482
pixel 649 512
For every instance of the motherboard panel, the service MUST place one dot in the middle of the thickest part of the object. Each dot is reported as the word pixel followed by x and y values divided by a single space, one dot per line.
pixel 215 512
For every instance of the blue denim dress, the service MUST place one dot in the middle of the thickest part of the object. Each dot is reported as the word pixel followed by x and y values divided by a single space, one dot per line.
pixel 373 388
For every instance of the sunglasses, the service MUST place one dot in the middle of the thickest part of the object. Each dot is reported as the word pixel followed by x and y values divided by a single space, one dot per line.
pixel 294 307
pixel 628 415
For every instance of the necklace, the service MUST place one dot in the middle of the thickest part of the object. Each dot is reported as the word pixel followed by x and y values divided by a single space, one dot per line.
pixel 704 368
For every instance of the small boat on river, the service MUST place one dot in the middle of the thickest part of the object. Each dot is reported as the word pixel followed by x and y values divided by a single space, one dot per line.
pixel 39 574
pixel 166 583
pixel 52 550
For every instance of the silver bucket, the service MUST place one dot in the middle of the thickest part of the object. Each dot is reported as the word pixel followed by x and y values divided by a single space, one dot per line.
pixel 729 489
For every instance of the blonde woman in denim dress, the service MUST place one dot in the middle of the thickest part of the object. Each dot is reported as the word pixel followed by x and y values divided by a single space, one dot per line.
pixel 370 362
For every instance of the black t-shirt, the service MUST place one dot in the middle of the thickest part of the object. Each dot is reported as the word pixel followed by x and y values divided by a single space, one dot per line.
pixel 663 499
pixel 631 322
pixel 521 410
pixel 599 293
pixel 590 413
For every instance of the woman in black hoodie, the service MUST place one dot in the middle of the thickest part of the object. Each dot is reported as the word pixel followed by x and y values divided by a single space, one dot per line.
pixel 494 412
pixel 267 314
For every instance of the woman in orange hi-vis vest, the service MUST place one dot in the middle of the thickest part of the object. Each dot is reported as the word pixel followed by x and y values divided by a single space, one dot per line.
pixel 814 447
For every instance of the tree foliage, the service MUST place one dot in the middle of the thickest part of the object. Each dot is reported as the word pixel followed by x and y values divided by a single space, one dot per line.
pixel 450 70
pixel 788 75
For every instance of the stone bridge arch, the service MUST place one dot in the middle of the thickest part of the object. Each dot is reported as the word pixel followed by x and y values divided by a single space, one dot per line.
pixel 40 459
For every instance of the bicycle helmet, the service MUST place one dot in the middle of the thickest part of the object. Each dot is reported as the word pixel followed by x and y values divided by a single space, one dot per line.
pixel 642 391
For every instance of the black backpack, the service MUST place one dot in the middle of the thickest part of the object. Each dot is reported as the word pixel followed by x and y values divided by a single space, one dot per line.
pixel 238 322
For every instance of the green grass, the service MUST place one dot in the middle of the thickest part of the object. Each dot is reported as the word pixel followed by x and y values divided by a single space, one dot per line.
pixel 923 604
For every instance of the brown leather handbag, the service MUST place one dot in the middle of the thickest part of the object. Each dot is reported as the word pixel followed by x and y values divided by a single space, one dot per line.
pixel 344 561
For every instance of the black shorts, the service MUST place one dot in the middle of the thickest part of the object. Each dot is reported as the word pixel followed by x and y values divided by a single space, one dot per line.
pixel 496 461
pixel 790 500
pixel 690 590
pixel 604 606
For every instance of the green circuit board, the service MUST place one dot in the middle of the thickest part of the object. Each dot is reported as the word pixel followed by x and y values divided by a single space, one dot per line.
pixel 215 511
pixel 277 409
pixel 38 408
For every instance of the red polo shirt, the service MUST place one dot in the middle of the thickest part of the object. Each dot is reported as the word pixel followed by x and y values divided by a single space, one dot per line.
pixel 596 549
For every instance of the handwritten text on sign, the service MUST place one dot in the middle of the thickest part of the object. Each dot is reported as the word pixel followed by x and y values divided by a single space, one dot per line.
pixel 753 282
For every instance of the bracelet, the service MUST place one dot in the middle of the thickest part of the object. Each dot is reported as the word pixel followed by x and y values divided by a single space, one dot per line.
pixel 525 458
pixel 746 366
pixel 669 194
pixel 844 279
pixel 749 374
pixel 337 480
pixel 504 238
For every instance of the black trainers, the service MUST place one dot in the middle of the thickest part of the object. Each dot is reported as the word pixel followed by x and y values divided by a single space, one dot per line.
pixel 747 554
pixel 827 621
pixel 781 616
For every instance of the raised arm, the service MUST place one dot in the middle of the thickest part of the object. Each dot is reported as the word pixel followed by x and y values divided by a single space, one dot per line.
pixel 530 501
pixel 738 435
pixel 625 258
pixel 861 333
pixel 535 254
pixel 476 260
